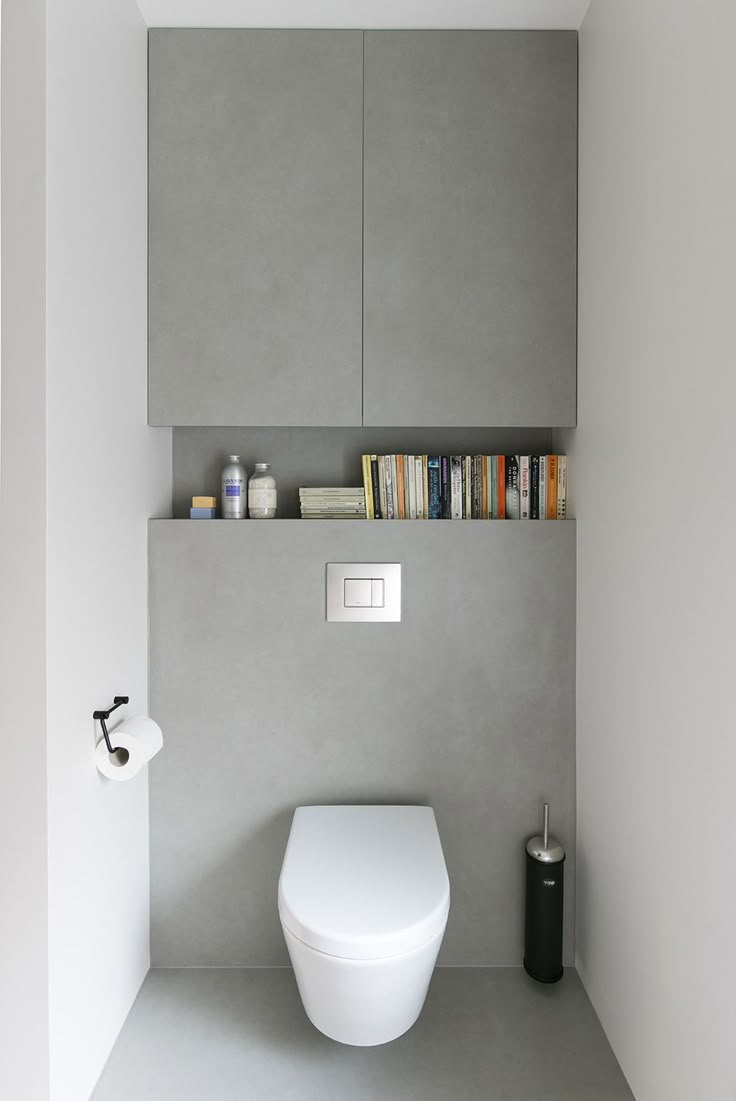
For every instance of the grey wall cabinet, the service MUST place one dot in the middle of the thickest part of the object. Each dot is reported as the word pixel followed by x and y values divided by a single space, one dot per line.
pixel 470 167
pixel 255 227
pixel 453 153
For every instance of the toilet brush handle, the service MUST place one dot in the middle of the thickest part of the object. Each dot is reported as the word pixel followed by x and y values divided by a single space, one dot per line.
pixel 546 826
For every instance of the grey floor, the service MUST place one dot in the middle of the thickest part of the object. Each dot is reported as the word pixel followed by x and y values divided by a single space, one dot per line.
pixel 241 1035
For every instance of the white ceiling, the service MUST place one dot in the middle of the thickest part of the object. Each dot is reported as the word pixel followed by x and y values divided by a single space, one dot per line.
pixel 378 14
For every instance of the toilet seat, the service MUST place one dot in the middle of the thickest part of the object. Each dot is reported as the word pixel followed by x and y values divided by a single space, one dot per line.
pixel 364 882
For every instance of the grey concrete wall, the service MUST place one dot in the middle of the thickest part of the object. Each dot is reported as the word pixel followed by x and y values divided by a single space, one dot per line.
pixel 467 704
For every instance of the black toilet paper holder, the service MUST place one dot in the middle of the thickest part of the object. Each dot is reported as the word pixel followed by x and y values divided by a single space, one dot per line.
pixel 103 716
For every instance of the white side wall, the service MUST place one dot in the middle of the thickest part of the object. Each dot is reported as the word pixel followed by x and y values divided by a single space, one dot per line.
pixel 106 474
pixel 24 1026
pixel 653 462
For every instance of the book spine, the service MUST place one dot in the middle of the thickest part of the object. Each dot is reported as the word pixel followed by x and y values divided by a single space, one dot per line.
pixel 561 487
pixel 401 511
pixel 419 481
pixel 395 486
pixel 456 487
pixel 551 487
pixel 493 471
pixel 367 487
pixel 501 486
pixel 534 491
pixel 411 477
pixel 434 509
pixel 376 488
pixel 323 506
pixel 524 487
pixel 542 487
pixel 425 486
pixel 485 493
pixel 467 487
pixel 513 503
pixel 445 487
pixel 390 498
pixel 405 465
pixel 337 502
pixel 477 484
pixel 382 485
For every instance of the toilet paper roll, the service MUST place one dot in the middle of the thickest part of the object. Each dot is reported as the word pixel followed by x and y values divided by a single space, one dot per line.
pixel 136 741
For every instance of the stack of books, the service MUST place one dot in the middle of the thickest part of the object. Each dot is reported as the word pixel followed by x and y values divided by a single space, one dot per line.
pixel 332 503
pixel 465 487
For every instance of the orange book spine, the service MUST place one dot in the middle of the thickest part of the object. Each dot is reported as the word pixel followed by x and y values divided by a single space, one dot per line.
pixel 501 486
pixel 551 487
pixel 400 486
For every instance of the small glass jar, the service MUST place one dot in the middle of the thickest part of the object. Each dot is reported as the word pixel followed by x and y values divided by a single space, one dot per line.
pixel 262 493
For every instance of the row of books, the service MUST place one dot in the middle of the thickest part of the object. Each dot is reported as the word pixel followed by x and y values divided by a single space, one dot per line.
pixel 459 487
pixel 332 503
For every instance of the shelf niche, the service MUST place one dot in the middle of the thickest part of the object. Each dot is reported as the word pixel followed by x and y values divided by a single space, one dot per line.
pixel 325 456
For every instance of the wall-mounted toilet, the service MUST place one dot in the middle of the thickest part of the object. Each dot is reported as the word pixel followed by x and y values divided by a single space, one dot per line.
pixel 363 901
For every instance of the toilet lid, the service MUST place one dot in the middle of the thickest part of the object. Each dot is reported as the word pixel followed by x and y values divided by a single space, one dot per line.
pixel 364 882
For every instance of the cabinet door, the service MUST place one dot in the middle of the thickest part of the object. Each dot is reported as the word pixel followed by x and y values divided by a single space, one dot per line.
pixel 470 228
pixel 255 196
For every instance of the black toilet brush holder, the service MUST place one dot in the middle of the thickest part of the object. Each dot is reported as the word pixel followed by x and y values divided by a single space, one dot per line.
pixel 545 881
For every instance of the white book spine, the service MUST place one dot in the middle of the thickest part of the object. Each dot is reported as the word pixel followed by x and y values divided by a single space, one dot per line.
pixel 561 487
pixel 395 485
pixel 389 489
pixel 456 487
pixel 382 485
pixel 542 487
pixel 468 471
pixel 405 468
pixel 524 487
pixel 412 481
pixel 419 481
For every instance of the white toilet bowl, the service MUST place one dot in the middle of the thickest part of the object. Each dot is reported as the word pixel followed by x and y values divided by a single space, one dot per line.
pixel 363 901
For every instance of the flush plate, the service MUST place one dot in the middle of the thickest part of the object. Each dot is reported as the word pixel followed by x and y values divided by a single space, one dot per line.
pixel 364 592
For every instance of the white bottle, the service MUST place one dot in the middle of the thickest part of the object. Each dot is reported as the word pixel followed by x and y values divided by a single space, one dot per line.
pixel 262 493
pixel 233 490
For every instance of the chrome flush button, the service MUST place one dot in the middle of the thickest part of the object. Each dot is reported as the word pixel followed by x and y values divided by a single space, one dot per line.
pixel 358 592
pixel 363 592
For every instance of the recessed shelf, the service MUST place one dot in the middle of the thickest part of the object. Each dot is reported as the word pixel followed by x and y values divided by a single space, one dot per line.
pixel 325 456
pixel 402 524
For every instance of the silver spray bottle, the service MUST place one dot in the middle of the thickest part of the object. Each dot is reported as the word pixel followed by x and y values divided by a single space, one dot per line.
pixel 233 490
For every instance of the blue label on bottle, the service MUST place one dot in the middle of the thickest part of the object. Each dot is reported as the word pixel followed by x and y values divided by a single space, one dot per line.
pixel 232 491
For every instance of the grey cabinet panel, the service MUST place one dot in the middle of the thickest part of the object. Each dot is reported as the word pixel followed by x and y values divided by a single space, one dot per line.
pixel 468 704
pixel 470 228
pixel 255 227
